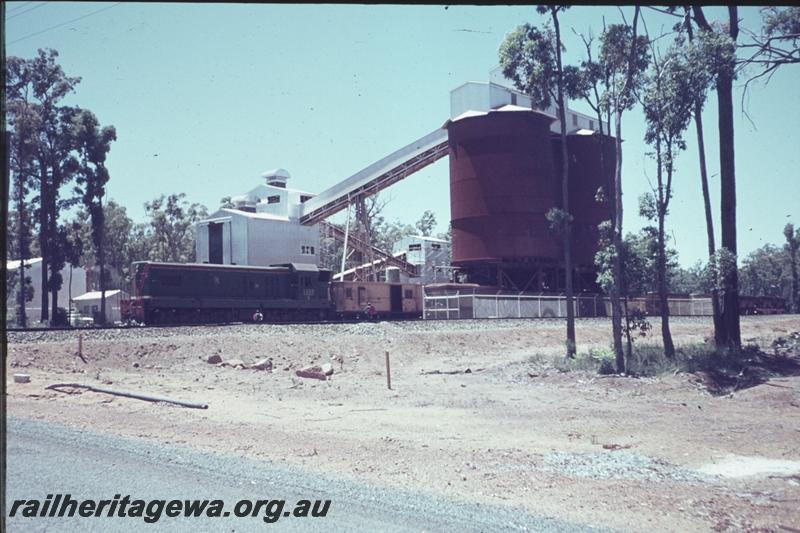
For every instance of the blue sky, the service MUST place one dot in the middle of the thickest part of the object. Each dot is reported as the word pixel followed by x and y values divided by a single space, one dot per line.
pixel 205 97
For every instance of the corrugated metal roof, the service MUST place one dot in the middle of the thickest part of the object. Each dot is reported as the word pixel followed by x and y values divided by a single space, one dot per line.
pixel 13 265
pixel 502 109
pixel 96 295
pixel 299 267
pixel 247 214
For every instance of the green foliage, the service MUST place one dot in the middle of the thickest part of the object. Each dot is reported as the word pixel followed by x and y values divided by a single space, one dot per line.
pixel 51 146
pixel 713 52
pixel 604 257
pixel 792 247
pixel 171 228
pixel 636 325
pixel 15 224
pixel 639 256
pixel 695 279
pixel 118 245
pixel 12 286
pixel 766 271
pixel 558 219
pixel 615 51
pixel 426 223
pixel 670 91
pixel 649 360
pixel 593 361
pixel 725 264
pixel 782 21
pixel 527 57
pixel 648 206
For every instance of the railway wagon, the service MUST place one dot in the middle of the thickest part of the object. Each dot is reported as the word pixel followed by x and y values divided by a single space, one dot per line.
pixel 174 293
pixel 700 305
pixel 391 300
pixel 762 305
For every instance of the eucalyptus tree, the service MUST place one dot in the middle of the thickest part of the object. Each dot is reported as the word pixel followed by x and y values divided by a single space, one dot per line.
pixel 778 43
pixel 21 149
pixel 672 88
pixel 608 86
pixel 702 51
pixel 36 87
pixel 531 58
pixel 426 223
pixel 118 240
pixel 94 143
pixel 724 70
pixel 170 231
pixel 766 271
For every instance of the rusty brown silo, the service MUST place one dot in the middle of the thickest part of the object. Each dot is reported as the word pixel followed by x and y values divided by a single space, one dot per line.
pixel 585 179
pixel 502 183
pixel 589 174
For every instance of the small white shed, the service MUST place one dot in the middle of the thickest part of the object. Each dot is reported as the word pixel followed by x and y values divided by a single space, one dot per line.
pixel 89 304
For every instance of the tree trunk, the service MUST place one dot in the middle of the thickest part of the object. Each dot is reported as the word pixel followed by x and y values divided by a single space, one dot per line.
pixel 69 293
pixel 701 149
pixel 53 299
pixel 617 237
pixel 666 334
pixel 617 225
pixel 567 233
pixel 53 236
pixel 730 335
pixel 44 238
pixel 22 318
pixel 629 340
pixel 616 268
pixel 101 257
pixel 661 266
pixel 730 310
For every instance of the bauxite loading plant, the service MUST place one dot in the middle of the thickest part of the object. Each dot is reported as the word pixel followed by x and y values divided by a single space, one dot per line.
pixel 504 178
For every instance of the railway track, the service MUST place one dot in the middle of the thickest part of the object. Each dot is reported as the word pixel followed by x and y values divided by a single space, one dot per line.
pixel 312 322
pixel 164 326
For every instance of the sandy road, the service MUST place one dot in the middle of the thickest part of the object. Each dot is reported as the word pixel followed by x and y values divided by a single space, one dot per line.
pixel 101 466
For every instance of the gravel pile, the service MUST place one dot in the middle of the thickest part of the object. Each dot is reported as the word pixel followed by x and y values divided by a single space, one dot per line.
pixel 616 465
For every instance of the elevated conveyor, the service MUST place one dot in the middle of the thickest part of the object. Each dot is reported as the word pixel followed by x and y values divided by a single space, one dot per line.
pixel 383 257
pixel 376 176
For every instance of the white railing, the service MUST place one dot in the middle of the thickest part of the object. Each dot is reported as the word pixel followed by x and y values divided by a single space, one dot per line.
pixel 521 305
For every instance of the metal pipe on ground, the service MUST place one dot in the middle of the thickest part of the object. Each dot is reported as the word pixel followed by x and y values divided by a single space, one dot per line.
pixel 128 394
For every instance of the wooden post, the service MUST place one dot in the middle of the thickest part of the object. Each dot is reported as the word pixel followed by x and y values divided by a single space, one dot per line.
pixel 388 373
pixel 80 348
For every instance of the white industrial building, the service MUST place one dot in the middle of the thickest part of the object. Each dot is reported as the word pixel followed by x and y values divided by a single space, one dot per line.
pixel 73 285
pixel 261 229
pixel 479 96
pixel 429 255
pixel 88 304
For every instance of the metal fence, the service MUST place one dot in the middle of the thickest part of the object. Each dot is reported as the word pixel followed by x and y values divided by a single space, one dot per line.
pixel 455 306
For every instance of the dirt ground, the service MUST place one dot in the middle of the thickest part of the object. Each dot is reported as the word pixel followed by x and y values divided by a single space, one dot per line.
pixel 636 454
